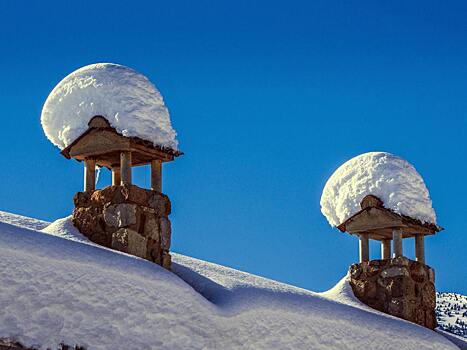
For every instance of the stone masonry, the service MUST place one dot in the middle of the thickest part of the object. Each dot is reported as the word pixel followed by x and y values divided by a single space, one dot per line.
pixel 400 287
pixel 126 218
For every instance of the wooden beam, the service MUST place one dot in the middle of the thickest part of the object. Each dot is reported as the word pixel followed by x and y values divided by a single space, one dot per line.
pixel 364 247
pixel 116 178
pixel 156 175
pixel 89 174
pixel 385 249
pixel 125 168
pixel 397 242
pixel 420 248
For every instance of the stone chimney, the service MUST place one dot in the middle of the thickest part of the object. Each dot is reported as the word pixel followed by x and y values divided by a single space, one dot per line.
pixel 393 284
pixel 123 216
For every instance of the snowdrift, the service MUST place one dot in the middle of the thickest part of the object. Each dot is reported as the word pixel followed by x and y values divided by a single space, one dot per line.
pixel 57 287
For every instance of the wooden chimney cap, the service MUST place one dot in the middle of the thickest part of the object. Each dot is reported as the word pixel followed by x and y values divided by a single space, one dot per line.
pixel 103 143
pixel 378 222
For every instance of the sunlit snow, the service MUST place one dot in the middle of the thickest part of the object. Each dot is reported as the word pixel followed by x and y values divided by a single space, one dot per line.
pixel 55 286
pixel 126 98
pixel 391 178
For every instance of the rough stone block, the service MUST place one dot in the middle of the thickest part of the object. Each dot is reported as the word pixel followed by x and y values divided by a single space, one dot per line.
pixel 120 240
pixel 120 215
pixel 399 287
pixel 165 231
pixel 160 203
pixel 166 260
pixel 137 244
pixel 126 218
pixel 151 227
pixel 394 271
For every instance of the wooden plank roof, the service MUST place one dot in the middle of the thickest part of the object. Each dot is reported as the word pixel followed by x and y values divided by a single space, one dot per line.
pixel 378 221
pixel 103 143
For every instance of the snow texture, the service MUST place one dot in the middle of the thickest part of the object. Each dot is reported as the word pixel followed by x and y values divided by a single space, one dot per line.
pixel 458 340
pixel 23 221
pixel 391 178
pixel 54 290
pixel 451 312
pixel 129 101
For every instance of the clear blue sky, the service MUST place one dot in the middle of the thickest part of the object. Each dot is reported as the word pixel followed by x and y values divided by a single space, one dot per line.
pixel 268 98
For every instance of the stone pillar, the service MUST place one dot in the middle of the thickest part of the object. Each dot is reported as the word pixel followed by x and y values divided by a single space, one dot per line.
pixel 116 178
pixel 386 249
pixel 364 247
pixel 399 287
pixel 420 248
pixel 156 175
pixel 397 242
pixel 125 168
pixel 128 219
pixel 89 174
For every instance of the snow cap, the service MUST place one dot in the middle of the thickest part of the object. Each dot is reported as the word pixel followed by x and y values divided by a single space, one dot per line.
pixel 126 98
pixel 384 175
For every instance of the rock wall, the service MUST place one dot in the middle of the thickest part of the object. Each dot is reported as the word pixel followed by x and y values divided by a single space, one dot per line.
pixel 400 287
pixel 126 218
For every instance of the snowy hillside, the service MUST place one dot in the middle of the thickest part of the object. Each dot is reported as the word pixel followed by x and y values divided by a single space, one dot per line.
pixel 451 312
pixel 55 287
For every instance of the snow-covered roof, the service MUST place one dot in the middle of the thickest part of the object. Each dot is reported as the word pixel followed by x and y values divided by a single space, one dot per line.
pixel 126 98
pixel 384 175
pixel 56 286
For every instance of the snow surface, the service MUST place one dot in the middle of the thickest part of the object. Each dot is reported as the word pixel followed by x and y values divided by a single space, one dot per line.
pixel 451 312
pixel 129 101
pixel 22 221
pixel 57 288
pixel 458 340
pixel 391 178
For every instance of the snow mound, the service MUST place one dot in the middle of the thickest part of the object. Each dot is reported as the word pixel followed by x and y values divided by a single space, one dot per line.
pixel 22 221
pixel 64 228
pixel 391 178
pixel 126 98
pixel 54 290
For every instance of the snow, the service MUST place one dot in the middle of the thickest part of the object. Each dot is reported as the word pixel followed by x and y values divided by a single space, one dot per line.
pixel 451 312
pixel 391 178
pixel 64 228
pixel 57 287
pixel 459 341
pixel 129 101
pixel 22 221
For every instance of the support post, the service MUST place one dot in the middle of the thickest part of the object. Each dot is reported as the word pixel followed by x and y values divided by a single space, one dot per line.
pixel 364 247
pixel 116 178
pixel 386 249
pixel 420 248
pixel 156 175
pixel 125 168
pixel 89 174
pixel 397 242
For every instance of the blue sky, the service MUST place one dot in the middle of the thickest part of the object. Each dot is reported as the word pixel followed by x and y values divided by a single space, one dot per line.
pixel 268 99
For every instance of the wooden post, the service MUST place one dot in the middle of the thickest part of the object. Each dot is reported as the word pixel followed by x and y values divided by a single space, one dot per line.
pixel 386 249
pixel 397 242
pixel 125 168
pixel 116 178
pixel 156 175
pixel 89 174
pixel 364 247
pixel 420 248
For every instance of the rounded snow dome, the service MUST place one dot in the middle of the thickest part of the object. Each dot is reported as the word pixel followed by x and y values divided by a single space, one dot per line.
pixel 126 98
pixel 386 176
